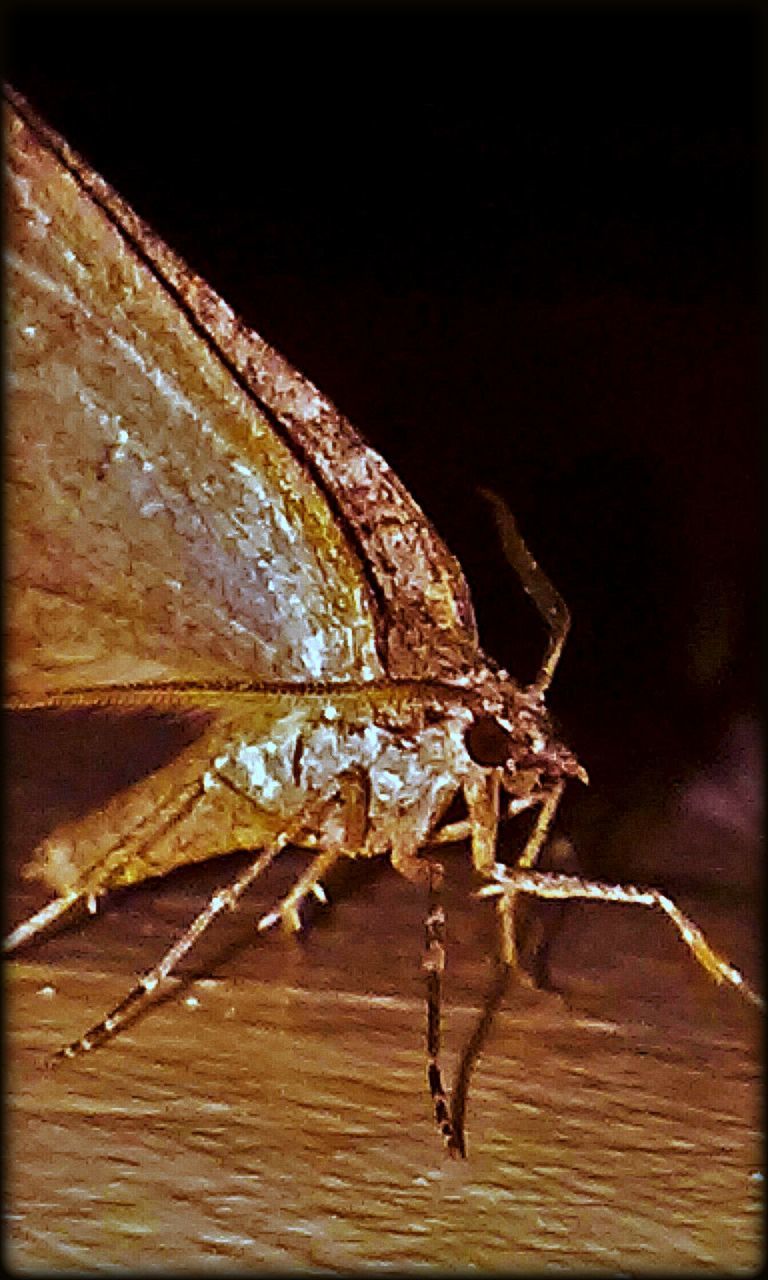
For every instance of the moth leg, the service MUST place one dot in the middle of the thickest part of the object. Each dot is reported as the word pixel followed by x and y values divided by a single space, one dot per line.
pixel 535 932
pixel 470 1054
pixel 434 965
pixel 454 832
pixel 508 901
pixel 352 797
pixel 509 882
pixel 483 802
pixel 450 1119
pixel 41 920
pixel 451 833
pixel 223 899
pixel 507 964
pixel 409 864
pixel 481 827
pixel 288 909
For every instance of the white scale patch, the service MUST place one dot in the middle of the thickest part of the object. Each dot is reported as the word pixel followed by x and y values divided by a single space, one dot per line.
pixel 313 651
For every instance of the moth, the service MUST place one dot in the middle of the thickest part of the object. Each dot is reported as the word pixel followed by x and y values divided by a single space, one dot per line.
pixel 193 526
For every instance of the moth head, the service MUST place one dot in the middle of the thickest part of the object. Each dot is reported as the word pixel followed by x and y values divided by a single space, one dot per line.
pixel 522 743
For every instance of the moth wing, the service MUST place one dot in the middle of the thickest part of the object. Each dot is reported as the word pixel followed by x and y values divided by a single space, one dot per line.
pixel 159 527
pixel 183 505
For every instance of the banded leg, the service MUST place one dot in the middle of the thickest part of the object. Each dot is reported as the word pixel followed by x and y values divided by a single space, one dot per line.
pixel 225 898
pixel 434 966
pixel 509 882
pixel 143 991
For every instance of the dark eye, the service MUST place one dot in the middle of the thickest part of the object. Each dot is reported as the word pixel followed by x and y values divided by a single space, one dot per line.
pixel 488 742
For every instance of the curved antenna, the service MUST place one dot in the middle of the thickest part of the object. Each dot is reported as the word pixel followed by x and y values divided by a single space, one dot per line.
pixel 535 582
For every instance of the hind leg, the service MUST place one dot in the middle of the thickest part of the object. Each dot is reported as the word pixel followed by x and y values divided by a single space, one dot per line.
pixel 225 898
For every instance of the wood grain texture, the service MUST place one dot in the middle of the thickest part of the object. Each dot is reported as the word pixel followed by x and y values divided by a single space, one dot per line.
pixel 274 1114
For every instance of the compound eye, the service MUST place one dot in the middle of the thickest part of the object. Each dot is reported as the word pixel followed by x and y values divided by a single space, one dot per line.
pixel 488 742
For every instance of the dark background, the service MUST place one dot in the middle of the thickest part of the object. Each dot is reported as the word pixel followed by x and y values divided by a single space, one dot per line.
pixel 519 248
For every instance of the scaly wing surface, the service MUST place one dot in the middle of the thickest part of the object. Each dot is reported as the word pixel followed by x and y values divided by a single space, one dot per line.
pixel 183 505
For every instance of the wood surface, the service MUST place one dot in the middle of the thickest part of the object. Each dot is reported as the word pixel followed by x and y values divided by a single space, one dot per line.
pixel 274 1114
